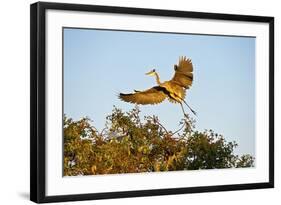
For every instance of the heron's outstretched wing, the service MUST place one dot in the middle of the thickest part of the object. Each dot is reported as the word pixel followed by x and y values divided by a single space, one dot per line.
pixel 153 95
pixel 183 73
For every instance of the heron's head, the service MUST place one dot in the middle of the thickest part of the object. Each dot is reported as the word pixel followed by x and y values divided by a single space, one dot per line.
pixel 151 73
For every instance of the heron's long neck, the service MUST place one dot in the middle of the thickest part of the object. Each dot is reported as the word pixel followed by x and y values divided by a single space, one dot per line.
pixel 157 79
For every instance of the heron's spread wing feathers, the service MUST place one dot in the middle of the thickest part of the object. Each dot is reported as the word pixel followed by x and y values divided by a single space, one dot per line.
pixel 153 95
pixel 183 72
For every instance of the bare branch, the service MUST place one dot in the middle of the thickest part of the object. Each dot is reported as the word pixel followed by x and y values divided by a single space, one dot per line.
pixel 178 129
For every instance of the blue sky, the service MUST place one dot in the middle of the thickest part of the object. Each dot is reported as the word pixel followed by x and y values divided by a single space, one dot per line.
pixel 98 64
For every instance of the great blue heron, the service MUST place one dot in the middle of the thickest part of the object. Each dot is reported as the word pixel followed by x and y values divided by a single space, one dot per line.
pixel 174 89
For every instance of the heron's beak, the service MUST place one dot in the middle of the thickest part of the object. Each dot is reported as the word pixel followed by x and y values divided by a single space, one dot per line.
pixel 150 73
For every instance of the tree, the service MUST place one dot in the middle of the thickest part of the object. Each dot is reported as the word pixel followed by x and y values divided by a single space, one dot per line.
pixel 129 145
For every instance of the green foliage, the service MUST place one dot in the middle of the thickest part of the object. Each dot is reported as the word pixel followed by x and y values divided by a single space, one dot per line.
pixel 129 145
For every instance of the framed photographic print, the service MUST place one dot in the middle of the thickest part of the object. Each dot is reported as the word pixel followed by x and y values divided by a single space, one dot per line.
pixel 129 102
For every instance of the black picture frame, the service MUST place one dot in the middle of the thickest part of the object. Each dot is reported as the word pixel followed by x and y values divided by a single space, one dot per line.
pixel 38 101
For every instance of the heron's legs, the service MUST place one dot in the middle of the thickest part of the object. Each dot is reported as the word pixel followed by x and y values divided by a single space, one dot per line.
pixel 189 107
pixel 183 110
pixel 186 105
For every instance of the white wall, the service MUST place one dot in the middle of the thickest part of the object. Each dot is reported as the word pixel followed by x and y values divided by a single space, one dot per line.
pixel 14 100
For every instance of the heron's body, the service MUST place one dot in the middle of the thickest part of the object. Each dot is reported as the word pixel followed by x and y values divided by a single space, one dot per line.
pixel 177 93
pixel 174 90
